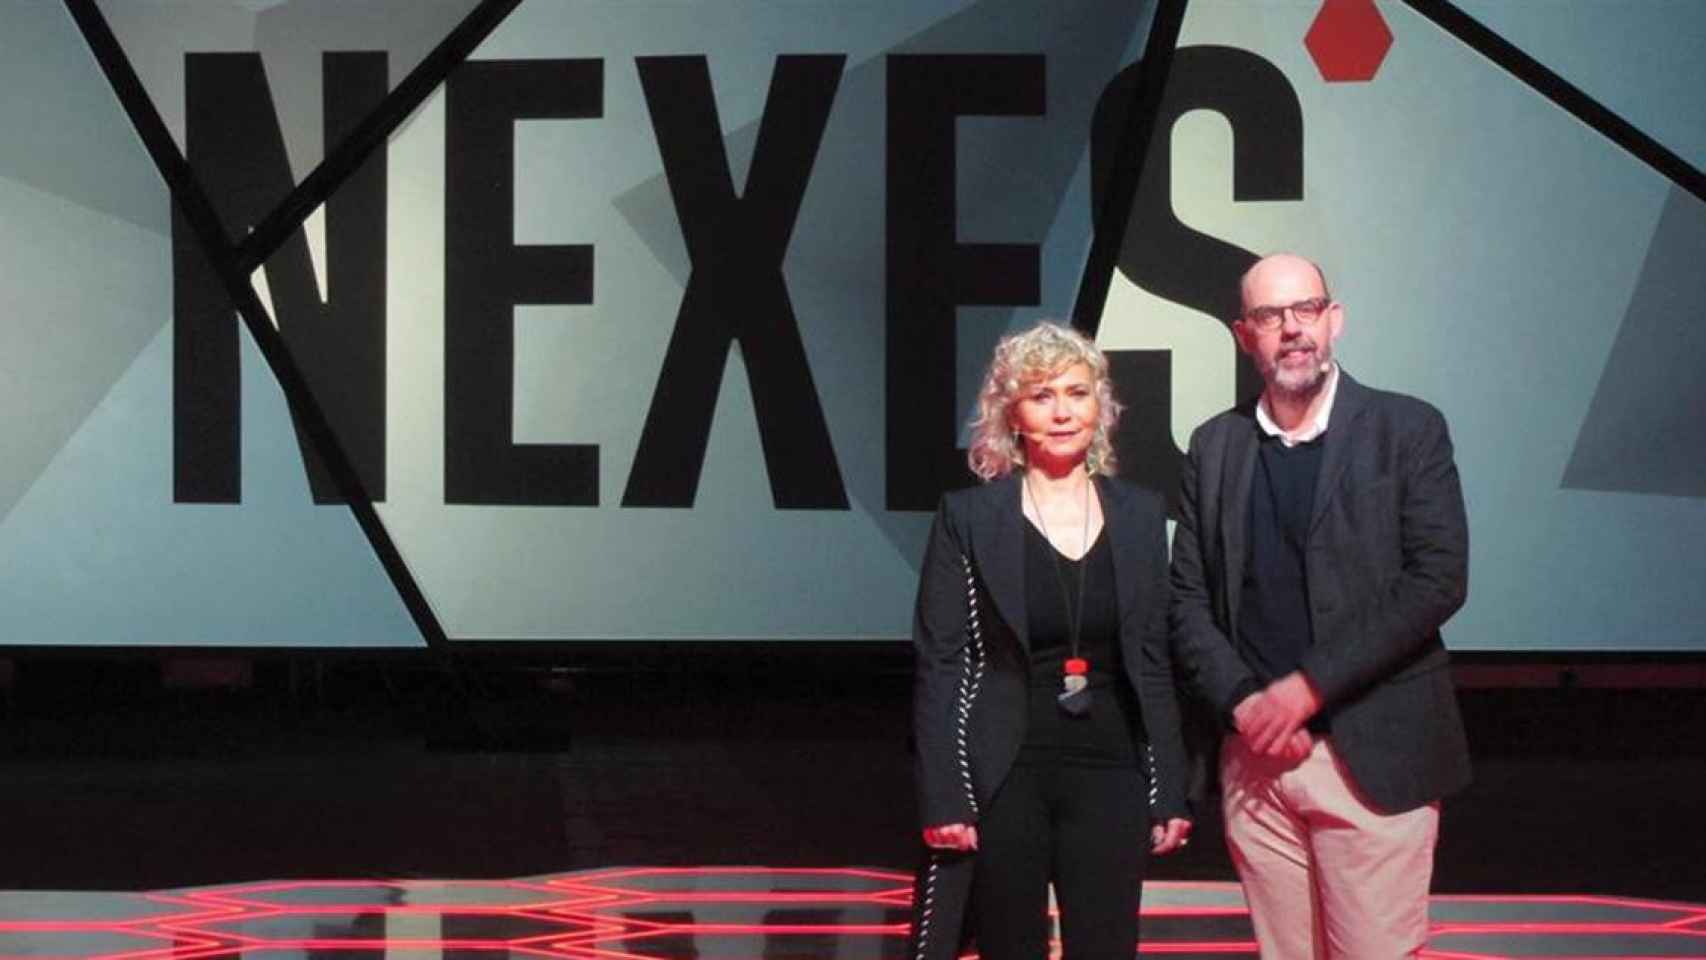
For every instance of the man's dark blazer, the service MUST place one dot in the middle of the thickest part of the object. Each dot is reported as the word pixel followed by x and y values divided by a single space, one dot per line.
pixel 971 687
pixel 1387 563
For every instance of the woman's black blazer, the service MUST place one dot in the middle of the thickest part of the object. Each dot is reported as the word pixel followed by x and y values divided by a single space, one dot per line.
pixel 970 689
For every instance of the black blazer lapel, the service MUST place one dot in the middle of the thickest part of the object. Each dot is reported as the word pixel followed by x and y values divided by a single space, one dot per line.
pixel 1349 402
pixel 1118 527
pixel 1238 469
pixel 1003 562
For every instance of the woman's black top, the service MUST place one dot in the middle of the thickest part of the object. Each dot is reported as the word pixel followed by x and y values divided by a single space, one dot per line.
pixel 1109 735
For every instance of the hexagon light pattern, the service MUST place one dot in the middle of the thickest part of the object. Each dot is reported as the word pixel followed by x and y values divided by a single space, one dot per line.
pixel 654 913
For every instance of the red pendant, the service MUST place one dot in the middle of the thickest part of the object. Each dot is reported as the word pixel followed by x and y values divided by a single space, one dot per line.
pixel 1077 667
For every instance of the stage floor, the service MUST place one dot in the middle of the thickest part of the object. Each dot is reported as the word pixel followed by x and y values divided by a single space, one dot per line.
pixel 725 912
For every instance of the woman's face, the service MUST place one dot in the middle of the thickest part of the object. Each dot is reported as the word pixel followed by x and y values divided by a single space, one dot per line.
pixel 1057 415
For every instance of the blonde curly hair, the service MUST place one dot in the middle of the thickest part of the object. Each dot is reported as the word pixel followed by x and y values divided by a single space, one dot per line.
pixel 1022 359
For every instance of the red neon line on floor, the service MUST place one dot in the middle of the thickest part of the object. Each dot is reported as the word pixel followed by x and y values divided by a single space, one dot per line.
pixel 1569 928
pixel 1222 946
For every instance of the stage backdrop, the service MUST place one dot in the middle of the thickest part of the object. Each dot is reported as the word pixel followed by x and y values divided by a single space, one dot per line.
pixel 660 321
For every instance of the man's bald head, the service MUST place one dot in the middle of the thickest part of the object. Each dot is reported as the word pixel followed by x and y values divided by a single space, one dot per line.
pixel 1287 267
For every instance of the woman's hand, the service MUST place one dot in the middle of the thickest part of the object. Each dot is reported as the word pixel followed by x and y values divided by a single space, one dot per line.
pixel 1165 838
pixel 951 836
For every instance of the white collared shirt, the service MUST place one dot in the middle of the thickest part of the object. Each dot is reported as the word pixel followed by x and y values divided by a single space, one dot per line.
pixel 1308 431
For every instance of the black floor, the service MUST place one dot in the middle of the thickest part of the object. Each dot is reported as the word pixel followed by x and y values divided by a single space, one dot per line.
pixel 361 770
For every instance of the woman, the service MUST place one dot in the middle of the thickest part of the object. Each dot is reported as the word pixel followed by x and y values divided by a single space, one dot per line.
pixel 1047 730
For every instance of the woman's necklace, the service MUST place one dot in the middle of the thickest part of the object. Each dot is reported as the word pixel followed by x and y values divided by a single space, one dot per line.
pixel 1074 697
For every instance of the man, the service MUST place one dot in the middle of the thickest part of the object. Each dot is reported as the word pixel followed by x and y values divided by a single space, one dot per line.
pixel 1321 543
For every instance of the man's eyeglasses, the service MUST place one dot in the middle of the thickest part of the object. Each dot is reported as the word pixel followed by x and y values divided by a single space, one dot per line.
pixel 1267 318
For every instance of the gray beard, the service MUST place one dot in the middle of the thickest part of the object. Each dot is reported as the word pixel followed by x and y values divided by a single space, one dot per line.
pixel 1305 385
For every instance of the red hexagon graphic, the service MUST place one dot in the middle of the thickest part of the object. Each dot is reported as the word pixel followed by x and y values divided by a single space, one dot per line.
pixel 1348 41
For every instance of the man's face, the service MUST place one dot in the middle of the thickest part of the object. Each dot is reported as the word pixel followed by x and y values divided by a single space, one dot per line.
pixel 1296 353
